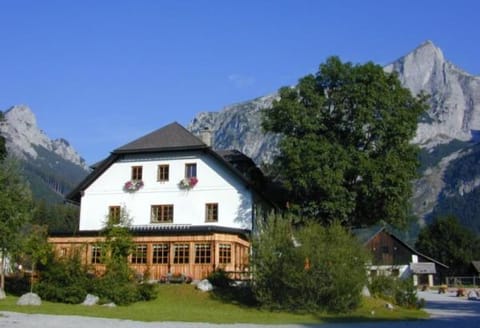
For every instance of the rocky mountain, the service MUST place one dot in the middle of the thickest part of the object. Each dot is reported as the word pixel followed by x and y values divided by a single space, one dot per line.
pixel 448 133
pixel 238 127
pixel 52 167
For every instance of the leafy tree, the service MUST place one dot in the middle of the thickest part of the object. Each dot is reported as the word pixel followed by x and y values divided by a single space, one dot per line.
pixel 57 217
pixel 298 269
pixel 65 279
pixel 345 151
pixel 36 247
pixel 118 283
pixel 15 211
pixel 450 243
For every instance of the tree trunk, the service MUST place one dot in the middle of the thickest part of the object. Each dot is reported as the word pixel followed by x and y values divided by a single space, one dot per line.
pixel 31 277
pixel 2 271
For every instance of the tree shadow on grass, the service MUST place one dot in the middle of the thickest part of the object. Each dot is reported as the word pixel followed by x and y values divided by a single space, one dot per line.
pixel 239 295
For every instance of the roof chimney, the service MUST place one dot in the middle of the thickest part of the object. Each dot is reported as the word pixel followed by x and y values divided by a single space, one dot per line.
pixel 206 136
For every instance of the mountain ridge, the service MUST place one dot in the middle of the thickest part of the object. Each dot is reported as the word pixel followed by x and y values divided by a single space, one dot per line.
pixel 445 133
pixel 52 167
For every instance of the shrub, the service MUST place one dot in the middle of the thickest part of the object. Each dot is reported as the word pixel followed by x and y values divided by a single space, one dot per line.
pixel 17 284
pixel 219 278
pixel 64 280
pixel 146 292
pixel 406 294
pixel 400 291
pixel 298 269
pixel 383 286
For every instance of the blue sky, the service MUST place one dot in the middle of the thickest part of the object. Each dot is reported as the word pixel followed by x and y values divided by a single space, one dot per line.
pixel 102 73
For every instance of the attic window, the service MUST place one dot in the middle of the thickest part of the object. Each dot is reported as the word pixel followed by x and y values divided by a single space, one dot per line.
pixel 137 173
pixel 163 173
pixel 191 170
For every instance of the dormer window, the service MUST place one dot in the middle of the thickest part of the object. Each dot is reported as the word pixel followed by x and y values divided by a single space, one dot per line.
pixel 191 170
pixel 137 173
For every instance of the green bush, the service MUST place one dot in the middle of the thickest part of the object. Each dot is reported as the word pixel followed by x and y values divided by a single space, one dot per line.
pixel 146 292
pixel 17 285
pixel 383 287
pixel 219 278
pixel 64 280
pixel 399 291
pixel 309 268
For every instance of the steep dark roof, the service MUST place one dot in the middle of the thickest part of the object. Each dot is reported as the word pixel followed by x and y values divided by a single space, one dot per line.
pixel 170 137
pixel 364 235
pixel 174 137
pixel 242 163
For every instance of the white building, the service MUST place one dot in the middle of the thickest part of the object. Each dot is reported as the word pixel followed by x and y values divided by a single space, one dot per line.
pixel 192 209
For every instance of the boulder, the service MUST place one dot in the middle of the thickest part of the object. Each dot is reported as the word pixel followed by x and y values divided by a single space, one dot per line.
pixel 90 300
pixel 205 285
pixel 29 299
pixel 389 306
pixel 111 305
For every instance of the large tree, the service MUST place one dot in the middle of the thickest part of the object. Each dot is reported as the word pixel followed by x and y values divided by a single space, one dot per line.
pixel 15 211
pixel 345 151
pixel 447 241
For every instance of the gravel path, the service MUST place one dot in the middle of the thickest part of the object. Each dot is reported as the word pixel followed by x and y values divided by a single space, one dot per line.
pixel 446 310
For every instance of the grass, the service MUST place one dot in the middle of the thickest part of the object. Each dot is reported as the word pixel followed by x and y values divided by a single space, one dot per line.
pixel 185 303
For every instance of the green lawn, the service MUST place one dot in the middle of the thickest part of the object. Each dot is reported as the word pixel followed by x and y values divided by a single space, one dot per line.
pixel 185 303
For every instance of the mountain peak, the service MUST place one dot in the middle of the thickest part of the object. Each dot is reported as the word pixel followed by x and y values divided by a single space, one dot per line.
pixel 428 51
pixel 21 113
pixel 23 137
pixel 422 69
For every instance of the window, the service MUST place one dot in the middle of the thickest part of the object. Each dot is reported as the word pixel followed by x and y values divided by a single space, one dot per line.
pixel 163 172
pixel 160 253
pixel 202 253
pixel 96 255
pixel 162 214
pixel 139 255
pixel 137 173
pixel 114 214
pixel 211 212
pixel 182 253
pixel 191 170
pixel 63 252
pixel 225 253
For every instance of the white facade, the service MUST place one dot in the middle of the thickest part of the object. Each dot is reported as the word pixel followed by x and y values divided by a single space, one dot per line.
pixel 216 184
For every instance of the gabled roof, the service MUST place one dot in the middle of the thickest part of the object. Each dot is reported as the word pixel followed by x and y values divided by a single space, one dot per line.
pixel 170 137
pixel 364 235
